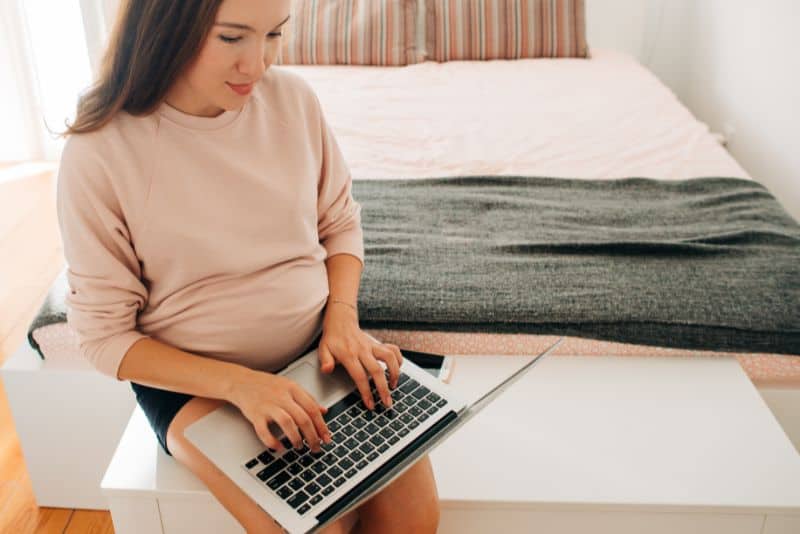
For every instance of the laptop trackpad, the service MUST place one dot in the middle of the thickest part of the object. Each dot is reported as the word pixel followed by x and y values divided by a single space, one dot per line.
pixel 326 389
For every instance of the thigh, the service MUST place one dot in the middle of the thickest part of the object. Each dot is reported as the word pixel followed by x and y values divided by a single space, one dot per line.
pixel 409 504
pixel 244 509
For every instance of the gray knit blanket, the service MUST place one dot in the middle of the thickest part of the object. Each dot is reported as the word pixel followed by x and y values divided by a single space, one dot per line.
pixel 706 263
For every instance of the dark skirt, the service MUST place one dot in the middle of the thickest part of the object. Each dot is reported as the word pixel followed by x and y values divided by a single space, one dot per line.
pixel 160 406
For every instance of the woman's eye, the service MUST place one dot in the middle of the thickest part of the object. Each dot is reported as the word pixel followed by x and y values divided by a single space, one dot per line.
pixel 272 35
pixel 227 39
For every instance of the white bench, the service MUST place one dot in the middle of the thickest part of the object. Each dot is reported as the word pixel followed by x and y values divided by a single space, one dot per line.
pixel 580 444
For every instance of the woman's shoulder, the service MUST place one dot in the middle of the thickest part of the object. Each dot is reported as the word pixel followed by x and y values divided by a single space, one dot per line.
pixel 123 132
pixel 282 87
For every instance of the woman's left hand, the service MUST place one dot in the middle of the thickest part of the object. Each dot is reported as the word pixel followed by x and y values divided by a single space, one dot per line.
pixel 343 341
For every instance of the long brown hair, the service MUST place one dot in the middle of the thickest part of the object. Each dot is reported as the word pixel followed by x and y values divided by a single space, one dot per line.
pixel 152 42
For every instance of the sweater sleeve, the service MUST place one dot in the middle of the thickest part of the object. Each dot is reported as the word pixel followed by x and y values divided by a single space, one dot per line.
pixel 103 271
pixel 339 215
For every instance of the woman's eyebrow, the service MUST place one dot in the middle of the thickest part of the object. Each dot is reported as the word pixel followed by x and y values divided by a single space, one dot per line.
pixel 246 27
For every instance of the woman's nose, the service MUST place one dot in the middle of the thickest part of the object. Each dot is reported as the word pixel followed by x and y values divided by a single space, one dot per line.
pixel 253 64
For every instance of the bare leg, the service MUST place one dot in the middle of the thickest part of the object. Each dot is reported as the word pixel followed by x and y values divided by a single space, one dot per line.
pixel 244 509
pixel 410 504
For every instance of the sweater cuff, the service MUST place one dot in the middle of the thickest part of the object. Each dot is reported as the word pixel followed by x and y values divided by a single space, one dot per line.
pixel 114 350
pixel 350 242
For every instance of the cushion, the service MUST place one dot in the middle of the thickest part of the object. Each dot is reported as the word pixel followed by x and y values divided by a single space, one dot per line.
pixel 351 32
pixel 505 29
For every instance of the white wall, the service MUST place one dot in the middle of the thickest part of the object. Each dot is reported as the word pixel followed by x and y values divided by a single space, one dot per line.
pixel 733 63
pixel 744 81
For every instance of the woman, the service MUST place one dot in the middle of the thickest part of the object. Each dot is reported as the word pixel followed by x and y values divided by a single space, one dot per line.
pixel 211 239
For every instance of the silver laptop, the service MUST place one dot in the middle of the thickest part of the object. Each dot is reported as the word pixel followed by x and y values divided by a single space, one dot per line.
pixel 304 491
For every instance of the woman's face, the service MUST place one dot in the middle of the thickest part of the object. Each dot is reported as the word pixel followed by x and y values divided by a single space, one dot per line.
pixel 243 42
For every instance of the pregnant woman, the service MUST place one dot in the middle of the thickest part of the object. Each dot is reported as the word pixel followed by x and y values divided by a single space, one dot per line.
pixel 211 238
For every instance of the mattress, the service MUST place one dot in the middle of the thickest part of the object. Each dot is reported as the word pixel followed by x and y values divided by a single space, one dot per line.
pixel 605 117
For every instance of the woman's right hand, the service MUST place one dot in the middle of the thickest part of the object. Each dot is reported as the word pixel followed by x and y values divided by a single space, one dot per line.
pixel 265 397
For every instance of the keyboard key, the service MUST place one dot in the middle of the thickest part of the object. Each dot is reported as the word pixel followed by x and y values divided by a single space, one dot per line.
pixel 424 404
pixel 308 475
pixel 397 425
pixel 329 458
pixel 362 464
pixel 369 415
pixel 386 433
pixel 312 488
pixel 341 451
pixel 415 411
pixel 333 426
pixel 358 422
pixel 356 455
pixel 323 480
pixel 266 457
pixel 339 481
pixel 328 490
pixel 306 460
pixel 381 421
pixel 351 444
pixel 297 499
pixel 351 473
pixel 315 499
pixel 409 386
pixel 289 457
pixel 403 433
pixel 319 467
pixel 371 428
pixel 413 424
pixel 349 430
pixel 372 455
pixel 252 463
pixel 383 448
pixel 441 402
pixel 295 469
pixel 391 414
pixel 284 492
pixel 296 483
pixel 376 440
pixel 423 417
pixel 402 379
pixel 345 463
pixel 344 419
pixel 279 480
pixel 303 509
pixel 393 440
pixel 354 411
pixel 271 470
pixel 406 418
pixel 433 397
pixel 420 393
pixel 338 437
pixel 366 447
pixel 334 471
pixel 286 443
pixel 361 436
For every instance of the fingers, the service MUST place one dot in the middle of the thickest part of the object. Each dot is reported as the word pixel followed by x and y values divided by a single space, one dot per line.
pixel 326 360
pixel 356 372
pixel 378 377
pixel 286 422
pixel 313 410
pixel 266 437
pixel 387 355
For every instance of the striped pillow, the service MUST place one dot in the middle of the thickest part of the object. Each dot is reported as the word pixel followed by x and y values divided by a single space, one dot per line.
pixel 351 32
pixel 505 29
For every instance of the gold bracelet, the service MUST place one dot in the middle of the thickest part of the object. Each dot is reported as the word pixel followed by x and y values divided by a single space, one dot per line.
pixel 345 303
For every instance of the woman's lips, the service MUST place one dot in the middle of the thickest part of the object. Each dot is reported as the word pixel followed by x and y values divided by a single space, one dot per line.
pixel 241 89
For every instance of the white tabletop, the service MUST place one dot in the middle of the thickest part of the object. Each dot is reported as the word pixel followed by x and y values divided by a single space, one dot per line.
pixel 579 432
pixel 619 432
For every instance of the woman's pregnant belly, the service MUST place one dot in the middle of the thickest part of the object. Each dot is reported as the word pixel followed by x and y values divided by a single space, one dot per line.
pixel 262 320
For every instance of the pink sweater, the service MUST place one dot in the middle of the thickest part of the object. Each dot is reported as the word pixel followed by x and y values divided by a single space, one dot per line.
pixel 208 234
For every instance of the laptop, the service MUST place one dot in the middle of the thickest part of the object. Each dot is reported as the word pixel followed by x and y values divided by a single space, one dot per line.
pixel 304 491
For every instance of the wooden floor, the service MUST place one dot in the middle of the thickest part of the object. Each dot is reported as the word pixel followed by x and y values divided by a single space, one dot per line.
pixel 32 255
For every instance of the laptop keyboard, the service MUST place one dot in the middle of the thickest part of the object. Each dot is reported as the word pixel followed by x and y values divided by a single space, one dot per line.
pixel 304 478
